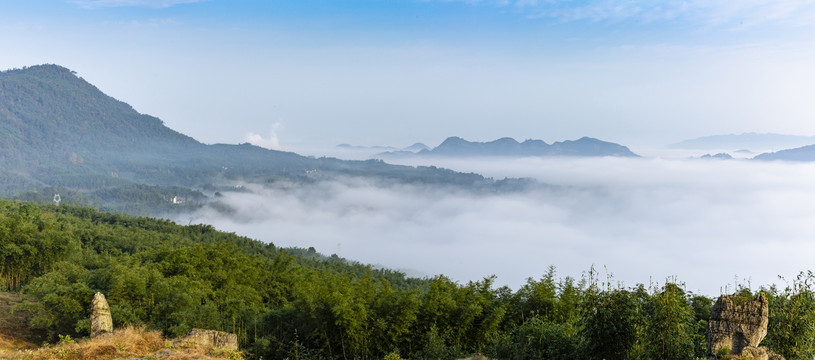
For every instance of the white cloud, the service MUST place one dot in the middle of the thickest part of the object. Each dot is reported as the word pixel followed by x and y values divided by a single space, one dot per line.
pixel 273 142
pixel 703 12
pixel 135 3
pixel 703 221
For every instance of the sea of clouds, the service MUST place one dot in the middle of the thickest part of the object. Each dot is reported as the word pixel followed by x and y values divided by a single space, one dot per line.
pixel 709 223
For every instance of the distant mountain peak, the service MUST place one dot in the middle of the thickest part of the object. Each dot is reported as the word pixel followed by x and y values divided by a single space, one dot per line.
pixel 507 146
pixel 417 147
pixel 49 69
pixel 718 156
pixel 59 131
pixel 454 140
pixel 803 153
pixel 749 140
pixel 505 140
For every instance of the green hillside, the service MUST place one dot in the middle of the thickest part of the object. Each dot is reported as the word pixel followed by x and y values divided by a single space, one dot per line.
pixel 297 303
pixel 54 118
pixel 60 134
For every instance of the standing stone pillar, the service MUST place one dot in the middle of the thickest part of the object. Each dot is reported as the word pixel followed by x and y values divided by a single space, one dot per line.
pixel 101 321
pixel 736 331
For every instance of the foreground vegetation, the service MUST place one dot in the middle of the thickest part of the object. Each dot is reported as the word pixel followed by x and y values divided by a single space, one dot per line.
pixel 298 304
pixel 125 343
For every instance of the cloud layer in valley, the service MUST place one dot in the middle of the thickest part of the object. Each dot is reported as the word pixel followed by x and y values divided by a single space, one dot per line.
pixel 707 222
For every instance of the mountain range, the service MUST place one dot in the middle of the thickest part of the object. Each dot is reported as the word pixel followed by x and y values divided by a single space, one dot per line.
pixel 752 141
pixel 60 133
pixel 804 153
pixel 508 147
pixel 412 148
pixel 789 147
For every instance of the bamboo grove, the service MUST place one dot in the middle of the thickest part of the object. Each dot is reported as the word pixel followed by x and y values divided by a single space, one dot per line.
pixel 298 304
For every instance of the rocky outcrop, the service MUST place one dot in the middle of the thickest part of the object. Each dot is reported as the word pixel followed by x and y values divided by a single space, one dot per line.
pixel 101 321
pixel 208 338
pixel 759 353
pixel 739 329
pixel 476 357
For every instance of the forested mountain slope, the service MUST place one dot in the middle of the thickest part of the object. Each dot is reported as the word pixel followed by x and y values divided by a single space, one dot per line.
pixel 49 114
pixel 296 303
pixel 58 133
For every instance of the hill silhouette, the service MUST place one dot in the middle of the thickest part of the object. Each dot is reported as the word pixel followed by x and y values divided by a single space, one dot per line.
pixel 60 133
pixel 457 147
pixel 803 154
pixel 751 140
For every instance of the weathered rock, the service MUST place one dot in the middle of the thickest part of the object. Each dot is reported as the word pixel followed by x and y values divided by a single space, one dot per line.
pixel 208 338
pixel 740 329
pixel 759 353
pixel 101 321
pixel 476 357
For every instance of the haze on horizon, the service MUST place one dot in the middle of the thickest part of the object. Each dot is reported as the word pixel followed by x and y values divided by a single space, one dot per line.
pixel 294 74
pixel 711 224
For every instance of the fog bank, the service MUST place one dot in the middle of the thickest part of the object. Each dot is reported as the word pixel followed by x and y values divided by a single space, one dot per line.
pixel 707 222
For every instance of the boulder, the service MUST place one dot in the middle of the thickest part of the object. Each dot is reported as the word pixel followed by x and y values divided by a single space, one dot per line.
pixel 759 353
pixel 101 321
pixel 740 329
pixel 476 357
pixel 208 338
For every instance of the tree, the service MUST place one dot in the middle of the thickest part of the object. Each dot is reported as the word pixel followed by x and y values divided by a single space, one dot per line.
pixel 669 329
pixel 791 329
pixel 608 324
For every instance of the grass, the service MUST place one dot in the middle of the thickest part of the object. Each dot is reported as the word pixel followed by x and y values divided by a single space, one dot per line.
pixel 14 331
pixel 126 343
pixel 18 342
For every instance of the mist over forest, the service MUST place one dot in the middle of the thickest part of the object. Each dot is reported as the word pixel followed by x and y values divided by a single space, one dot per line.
pixel 710 223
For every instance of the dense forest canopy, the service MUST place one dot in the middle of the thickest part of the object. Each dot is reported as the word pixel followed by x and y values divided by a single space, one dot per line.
pixel 297 303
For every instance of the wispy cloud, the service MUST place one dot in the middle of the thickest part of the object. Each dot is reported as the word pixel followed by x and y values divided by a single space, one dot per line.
pixel 273 142
pixel 705 12
pixel 91 4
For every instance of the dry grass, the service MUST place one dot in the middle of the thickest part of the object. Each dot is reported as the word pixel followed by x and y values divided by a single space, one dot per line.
pixel 8 343
pixel 13 323
pixel 14 331
pixel 127 343
pixel 477 357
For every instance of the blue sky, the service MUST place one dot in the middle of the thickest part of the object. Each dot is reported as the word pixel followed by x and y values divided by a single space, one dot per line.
pixel 293 74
